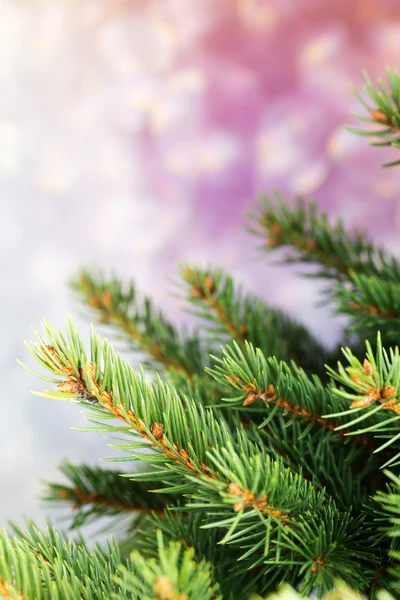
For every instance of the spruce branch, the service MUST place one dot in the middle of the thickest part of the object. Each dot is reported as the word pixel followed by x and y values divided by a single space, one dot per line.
pixel 230 313
pixel 230 573
pixel 38 566
pixel 93 493
pixel 383 120
pixel 173 575
pixel 147 329
pixel 373 305
pixel 281 388
pixel 308 237
pixel 370 389
pixel 230 477
pixel 116 391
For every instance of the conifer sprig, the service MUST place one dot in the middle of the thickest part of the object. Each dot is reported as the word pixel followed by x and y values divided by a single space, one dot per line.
pixel 39 567
pixel 93 493
pixel 383 109
pixel 227 475
pixel 140 323
pixel 232 314
pixel 371 389
pixel 373 305
pixel 280 387
pixel 308 237
pixel 173 575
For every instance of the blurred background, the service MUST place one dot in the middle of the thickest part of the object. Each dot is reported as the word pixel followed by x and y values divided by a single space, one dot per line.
pixel 134 134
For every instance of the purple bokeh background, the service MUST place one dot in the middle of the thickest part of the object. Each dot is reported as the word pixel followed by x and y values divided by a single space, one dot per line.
pixel 134 134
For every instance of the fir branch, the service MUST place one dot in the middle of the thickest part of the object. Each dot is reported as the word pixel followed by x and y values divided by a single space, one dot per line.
pixel 373 305
pixel 284 388
pixel 383 121
pixel 94 492
pixel 202 449
pixel 146 328
pixel 116 389
pixel 215 292
pixel 230 573
pixel 37 566
pixel 173 575
pixel 348 472
pixel 233 314
pixel 311 239
pixel 371 388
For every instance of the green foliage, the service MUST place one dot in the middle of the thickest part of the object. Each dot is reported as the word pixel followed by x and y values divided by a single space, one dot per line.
pixel 230 313
pixel 175 575
pixel 264 474
pixel 363 279
pixel 37 566
pixel 372 302
pixel 94 493
pixel 146 328
pixel 43 566
pixel 370 390
pixel 384 113
pixel 308 237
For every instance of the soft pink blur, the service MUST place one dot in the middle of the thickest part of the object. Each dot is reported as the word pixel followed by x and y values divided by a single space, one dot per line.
pixel 248 97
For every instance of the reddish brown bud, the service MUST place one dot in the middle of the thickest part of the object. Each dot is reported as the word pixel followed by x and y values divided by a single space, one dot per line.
pixel 235 489
pixel 106 299
pixel 270 395
pixel 276 229
pixel 250 398
pixel 91 369
pixel 380 117
pixel 388 392
pixel 367 367
pixel 164 589
pixel 157 430
pixel 68 387
pixel 209 284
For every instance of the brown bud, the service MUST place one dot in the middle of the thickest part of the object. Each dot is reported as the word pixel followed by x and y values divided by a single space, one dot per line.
pixel 63 494
pixel 235 489
pixel 68 387
pixel 52 350
pixel 270 395
pixel 91 369
pixel 276 229
pixel 380 117
pixel 235 380
pixel 239 505
pixel 209 284
pixel 363 402
pixel 164 589
pixel 157 430
pixel 184 454
pixel 388 392
pixel 250 398
pixel 243 331
pixel 310 245
pixel 106 299
pixel 367 367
